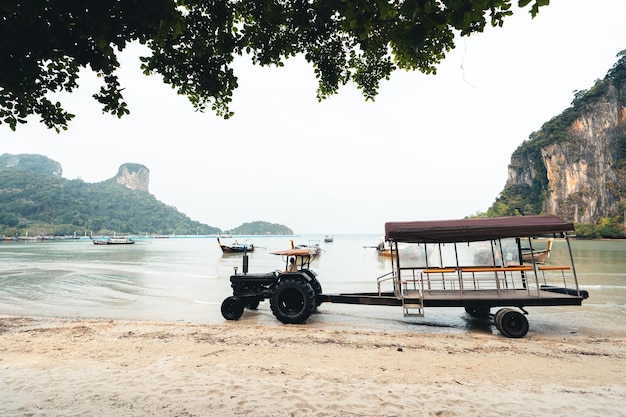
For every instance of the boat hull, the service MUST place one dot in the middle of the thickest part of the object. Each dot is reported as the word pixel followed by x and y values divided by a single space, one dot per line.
pixel 539 256
pixel 233 249
pixel 113 242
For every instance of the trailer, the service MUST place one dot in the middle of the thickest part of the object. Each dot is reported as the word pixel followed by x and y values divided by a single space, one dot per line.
pixel 476 264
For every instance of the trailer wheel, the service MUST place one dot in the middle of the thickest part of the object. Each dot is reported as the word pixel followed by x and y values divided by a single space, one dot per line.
pixel 293 301
pixel 497 319
pixel 478 312
pixel 511 323
pixel 232 308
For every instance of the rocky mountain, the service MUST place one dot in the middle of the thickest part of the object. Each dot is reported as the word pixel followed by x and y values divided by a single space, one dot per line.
pixel 35 198
pixel 134 176
pixel 575 166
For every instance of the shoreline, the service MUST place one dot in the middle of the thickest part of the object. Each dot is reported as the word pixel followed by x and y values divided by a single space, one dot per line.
pixel 102 367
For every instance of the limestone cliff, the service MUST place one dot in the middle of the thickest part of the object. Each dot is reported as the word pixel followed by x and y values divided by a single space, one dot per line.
pixel 575 166
pixel 585 176
pixel 134 176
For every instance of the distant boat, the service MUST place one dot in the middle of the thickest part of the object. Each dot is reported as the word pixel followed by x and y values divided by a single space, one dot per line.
pixel 27 238
pixel 540 256
pixel 329 239
pixel 235 247
pixel 113 241
pixel 384 252
pixel 381 249
pixel 313 247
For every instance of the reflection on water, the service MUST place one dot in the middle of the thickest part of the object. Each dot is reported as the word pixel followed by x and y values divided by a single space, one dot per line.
pixel 180 279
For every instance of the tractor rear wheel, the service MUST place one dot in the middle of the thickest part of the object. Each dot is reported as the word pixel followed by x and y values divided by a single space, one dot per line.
pixel 293 300
pixel 317 287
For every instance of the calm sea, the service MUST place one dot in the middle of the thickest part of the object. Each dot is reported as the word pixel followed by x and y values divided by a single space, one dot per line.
pixel 186 279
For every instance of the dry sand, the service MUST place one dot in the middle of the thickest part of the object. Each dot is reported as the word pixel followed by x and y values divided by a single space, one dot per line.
pixel 55 367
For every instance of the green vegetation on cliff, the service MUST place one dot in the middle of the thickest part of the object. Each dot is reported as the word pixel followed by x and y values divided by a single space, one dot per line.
pixel 261 228
pixel 555 130
pixel 607 227
pixel 50 205
pixel 35 199
pixel 34 163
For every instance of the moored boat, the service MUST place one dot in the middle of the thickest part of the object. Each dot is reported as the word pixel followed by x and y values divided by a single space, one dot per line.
pixel 236 247
pixel 384 252
pixel 313 247
pixel 113 241
pixel 381 249
pixel 539 256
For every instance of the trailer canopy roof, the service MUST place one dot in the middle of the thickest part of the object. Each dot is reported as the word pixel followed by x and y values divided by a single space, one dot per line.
pixel 471 230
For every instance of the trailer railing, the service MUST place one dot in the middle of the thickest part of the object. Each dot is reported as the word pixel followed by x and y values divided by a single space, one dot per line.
pixel 414 281
pixel 468 278
pixel 389 276
pixel 559 276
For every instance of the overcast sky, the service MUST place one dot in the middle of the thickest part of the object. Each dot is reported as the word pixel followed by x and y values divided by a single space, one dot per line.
pixel 429 147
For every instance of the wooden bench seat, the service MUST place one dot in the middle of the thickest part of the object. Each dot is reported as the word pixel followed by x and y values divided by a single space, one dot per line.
pixel 554 267
pixel 515 268
pixel 439 270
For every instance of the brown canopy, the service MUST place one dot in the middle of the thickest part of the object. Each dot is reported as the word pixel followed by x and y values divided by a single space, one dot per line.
pixel 471 230
pixel 293 252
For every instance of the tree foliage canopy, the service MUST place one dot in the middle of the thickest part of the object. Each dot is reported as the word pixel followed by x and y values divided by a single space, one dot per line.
pixel 44 44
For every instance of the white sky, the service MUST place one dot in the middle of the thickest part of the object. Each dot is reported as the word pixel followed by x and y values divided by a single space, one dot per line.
pixel 429 147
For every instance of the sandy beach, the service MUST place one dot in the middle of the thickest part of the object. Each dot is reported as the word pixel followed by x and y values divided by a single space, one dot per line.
pixel 72 367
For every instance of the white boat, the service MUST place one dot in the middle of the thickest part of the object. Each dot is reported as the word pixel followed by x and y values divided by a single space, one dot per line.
pixel 313 247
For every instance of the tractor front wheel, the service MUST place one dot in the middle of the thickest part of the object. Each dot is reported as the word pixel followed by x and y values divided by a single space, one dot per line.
pixel 232 308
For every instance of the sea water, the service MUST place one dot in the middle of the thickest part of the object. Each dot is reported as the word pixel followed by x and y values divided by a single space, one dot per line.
pixel 185 279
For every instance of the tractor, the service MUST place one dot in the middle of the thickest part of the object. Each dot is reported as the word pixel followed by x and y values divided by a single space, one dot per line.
pixel 293 293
